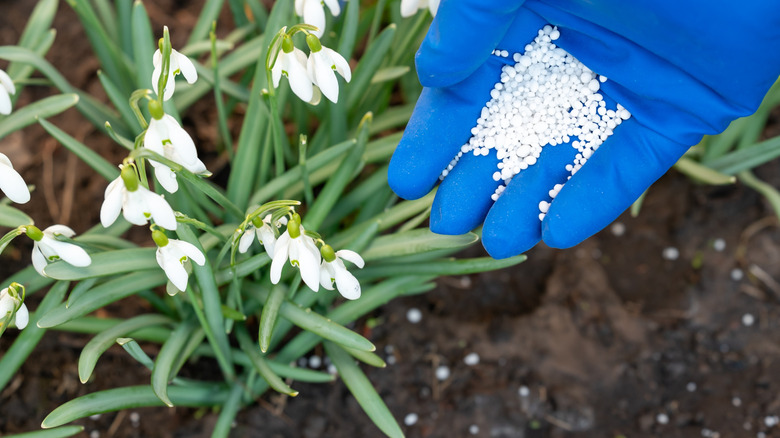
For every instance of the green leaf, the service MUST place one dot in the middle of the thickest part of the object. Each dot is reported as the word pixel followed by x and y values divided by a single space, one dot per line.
pixel 260 363
pixel 120 101
pixel 269 315
pixel 363 391
pixel 133 397
pixel 366 357
pixel 767 190
pixel 208 14
pixel 144 45
pixel 415 242
pixel 106 263
pixel 11 217
pixel 106 293
pixel 703 173
pixel 324 327
pixel 389 74
pixel 38 24
pixel 228 412
pixel 747 158
pixel 368 65
pixel 60 432
pixel 43 108
pixel 100 343
pixel 28 338
pixel 163 369
pixel 438 267
pixel 136 352
pixel 87 155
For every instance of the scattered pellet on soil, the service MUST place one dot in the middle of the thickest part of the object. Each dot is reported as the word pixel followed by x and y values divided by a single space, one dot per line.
pixel 411 419
pixel 95 417
pixel 94 434
pixel 748 319
pixel 737 274
pixel 524 391
pixel 390 360
pixel 670 253
pixel 315 361
pixel 389 349
pixel 303 362
pixel 662 418
pixel 135 419
pixel 771 420
pixel 442 372
pixel 414 315
pixel 618 229
pixel 691 387
pixel 473 429
pixel 719 244
pixel 736 402
pixel 471 359
pixel 332 369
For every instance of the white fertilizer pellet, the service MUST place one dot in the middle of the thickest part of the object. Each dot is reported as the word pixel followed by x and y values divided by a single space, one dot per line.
pixel 662 418
pixel 546 98
pixel 748 319
pixel 691 387
pixel 671 253
pixel 315 361
pixel 442 373
pixel 524 391
pixel 473 429
pixel 737 274
pixel 411 419
pixel 414 315
pixel 471 359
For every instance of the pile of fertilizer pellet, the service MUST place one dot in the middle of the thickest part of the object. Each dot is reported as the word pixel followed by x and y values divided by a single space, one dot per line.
pixel 546 98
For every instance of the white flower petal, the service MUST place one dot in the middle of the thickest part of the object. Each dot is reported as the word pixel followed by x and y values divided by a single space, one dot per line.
pixel 346 283
pixel 323 76
pixel 308 264
pixel 63 230
pixel 73 254
pixel 22 317
pixel 326 275
pixel 267 237
pixel 7 82
pixel 153 139
pixel 280 257
pixel 351 256
pixel 5 102
pixel 409 7
pixel 156 77
pixel 173 268
pixel 314 14
pixel 246 240
pixel 11 183
pixel 341 64
pixel 334 7
pixel 112 205
pixel 186 67
pixel 134 207
pixel 433 6
pixel 189 250
pixel 300 82
pixel 39 260
pixel 161 211
pixel 299 7
pixel 166 177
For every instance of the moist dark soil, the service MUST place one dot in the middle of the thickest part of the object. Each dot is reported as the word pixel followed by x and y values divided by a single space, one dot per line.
pixel 615 337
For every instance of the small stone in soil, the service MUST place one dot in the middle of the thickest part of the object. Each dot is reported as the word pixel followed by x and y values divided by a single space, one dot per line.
pixel 748 319
pixel 442 372
pixel 671 253
pixel 414 315
pixel 471 359
pixel 411 419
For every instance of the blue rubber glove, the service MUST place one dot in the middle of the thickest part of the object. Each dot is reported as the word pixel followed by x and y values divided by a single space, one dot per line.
pixel 682 68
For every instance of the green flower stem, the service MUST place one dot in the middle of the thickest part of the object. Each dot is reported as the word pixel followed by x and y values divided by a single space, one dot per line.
pixel 222 116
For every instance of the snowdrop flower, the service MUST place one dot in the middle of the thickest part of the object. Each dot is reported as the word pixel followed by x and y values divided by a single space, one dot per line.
pixel 165 137
pixel 322 66
pixel 7 88
pixel 291 62
pixel 179 64
pixel 313 12
pixel 46 248
pixel 11 302
pixel 410 7
pixel 333 270
pixel 172 254
pixel 302 252
pixel 265 234
pixel 136 203
pixel 11 183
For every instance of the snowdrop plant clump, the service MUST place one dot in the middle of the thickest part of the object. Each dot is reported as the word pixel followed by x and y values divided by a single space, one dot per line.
pixel 259 161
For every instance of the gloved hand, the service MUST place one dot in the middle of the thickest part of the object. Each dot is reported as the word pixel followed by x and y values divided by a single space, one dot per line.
pixel 683 69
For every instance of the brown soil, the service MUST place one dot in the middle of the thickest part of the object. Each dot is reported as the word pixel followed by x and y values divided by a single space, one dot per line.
pixel 606 339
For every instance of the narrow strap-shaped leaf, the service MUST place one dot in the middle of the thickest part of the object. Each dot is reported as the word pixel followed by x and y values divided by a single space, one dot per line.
pixel 415 242
pixel 124 17
pixel 143 45
pixel 101 342
pixel 29 337
pixel 39 23
pixel 211 301
pixel 87 155
pixel 703 173
pixel 363 391
pixel 324 327
pixel 106 293
pixel 136 352
pixel 133 397
pixel 348 34
pixel 748 157
pixel 269 315
pixel 438 267
pixel 43 108
pixel 60 432
pixel 80 289
pixel 12 217
pixel 366 357
pixel 260 363
pixel 106 263
pixel 228 412
pixel 93 325
pixel 368 66
pixel 120 101
pixel 208 14
pixel 163 366
pixel 767 190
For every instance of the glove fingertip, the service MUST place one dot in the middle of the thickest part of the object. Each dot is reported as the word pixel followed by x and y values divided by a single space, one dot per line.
pixel 557 233
pixel 499 247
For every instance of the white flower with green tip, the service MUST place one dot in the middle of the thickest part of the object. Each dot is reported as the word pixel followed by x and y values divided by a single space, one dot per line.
pixel 322 66
pixel 302 252
pixel 333 271
pixel 313 12
pixel 11 183
pixel 172 255
pixel 136 203
pixel 7 88
pixel 263 231
pixel 291 62
pixel 166 137
pixel 179 64
pixel 46 248
pixel 11 303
